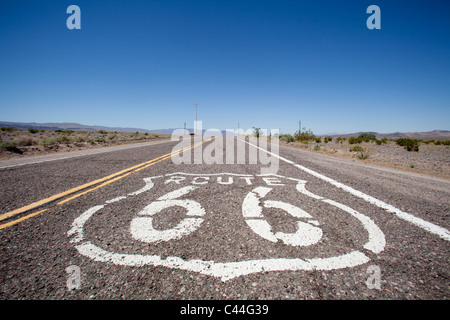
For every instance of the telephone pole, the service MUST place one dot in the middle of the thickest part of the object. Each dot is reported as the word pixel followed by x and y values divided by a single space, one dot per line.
pixel 195 124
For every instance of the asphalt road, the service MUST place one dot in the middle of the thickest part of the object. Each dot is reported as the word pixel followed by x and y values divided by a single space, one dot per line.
pixel 132 224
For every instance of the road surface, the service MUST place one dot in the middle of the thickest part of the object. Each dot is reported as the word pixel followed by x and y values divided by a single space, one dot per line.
pixel 130 223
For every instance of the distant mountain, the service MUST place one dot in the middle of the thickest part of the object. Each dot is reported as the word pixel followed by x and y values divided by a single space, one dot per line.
pixel 82 127
pixel 435 134
pixel 77 127
pixel 428 135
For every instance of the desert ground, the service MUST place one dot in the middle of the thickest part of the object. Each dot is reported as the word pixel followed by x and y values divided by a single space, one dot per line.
pixel 22 143
pixel 433 158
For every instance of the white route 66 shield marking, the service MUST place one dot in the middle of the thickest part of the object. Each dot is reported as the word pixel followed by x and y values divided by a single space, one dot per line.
pixel 308 231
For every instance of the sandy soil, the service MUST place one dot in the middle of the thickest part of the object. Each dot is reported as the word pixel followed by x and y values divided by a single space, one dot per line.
pixel 46 142
pixel 430 159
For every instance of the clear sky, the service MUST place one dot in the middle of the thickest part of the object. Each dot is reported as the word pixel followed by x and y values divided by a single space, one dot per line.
pixel 264 64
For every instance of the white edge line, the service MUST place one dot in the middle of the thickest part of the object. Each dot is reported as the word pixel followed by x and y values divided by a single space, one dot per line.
pixel 428 226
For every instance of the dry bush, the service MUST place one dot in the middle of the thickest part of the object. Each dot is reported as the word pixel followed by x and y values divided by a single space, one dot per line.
pixel 80 138
pixel 63 139
pixel 23 140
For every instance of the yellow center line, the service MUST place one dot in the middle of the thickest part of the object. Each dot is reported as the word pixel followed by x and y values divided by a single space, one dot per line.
pixel 5 225
pixel 34 205
pixel 109 181
pixel 106 180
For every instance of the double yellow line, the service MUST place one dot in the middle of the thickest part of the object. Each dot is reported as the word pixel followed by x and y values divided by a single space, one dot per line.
pixel 72 193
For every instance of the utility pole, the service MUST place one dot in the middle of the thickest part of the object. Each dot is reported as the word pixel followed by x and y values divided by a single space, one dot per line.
pixel 195 125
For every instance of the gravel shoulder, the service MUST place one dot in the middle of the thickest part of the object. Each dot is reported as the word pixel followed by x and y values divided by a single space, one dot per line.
pixel 430 159
pixel 66 153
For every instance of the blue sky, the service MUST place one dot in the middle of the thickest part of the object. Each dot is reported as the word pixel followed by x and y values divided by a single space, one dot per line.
pixel 261 63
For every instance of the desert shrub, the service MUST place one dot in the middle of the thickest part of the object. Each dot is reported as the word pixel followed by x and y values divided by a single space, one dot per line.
pixel 317 147
pixel 9 145
pixel 33 131
pixel 356 148
pixel 25 141
pixel 62 138
pixel 327 139
pixel 363 155
pixel 9 129
pixel 353 140
pixel 363 137
pixel 408 144
pixel 80 138
pixel 318 140
pixel 102 132
pixel 99 139
pixel 378 142
pixel 47 142
pixel 442 142
pixel 304 136
pixel 366 137
pixel 340 140
pixel 287 138
pixel 68 132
